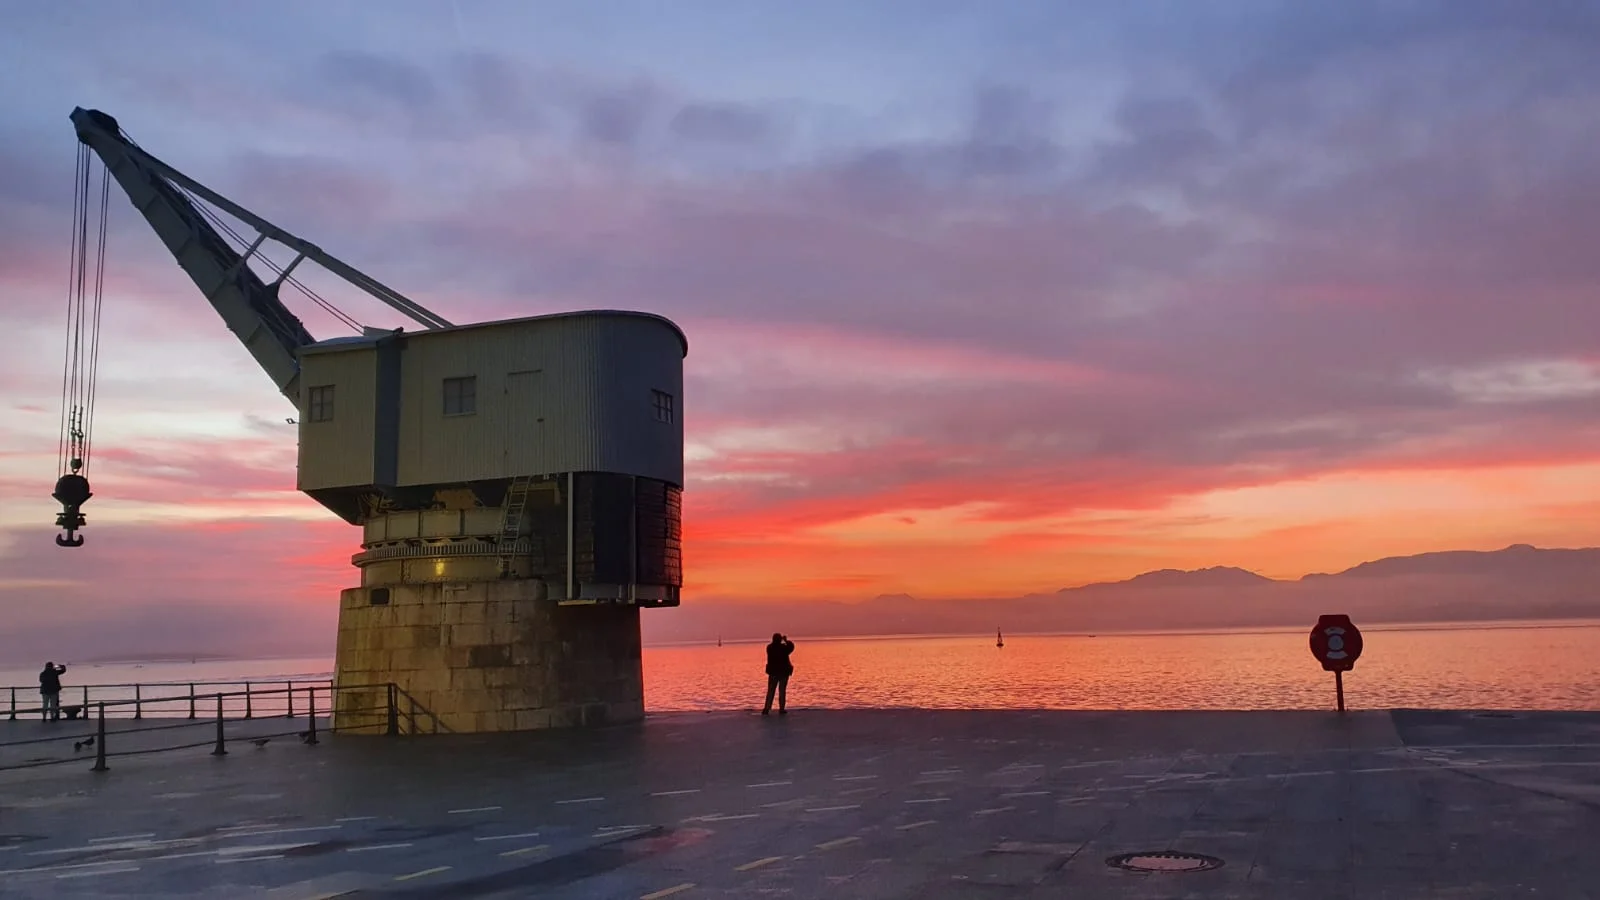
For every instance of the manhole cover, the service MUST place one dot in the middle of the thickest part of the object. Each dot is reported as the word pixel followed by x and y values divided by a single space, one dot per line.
pixel 1164 861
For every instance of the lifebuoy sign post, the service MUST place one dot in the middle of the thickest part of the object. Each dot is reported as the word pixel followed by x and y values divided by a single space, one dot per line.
pixel 1336 643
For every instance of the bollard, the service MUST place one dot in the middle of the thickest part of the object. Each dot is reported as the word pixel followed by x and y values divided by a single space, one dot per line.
pixel 394 712
pixel 191 699
pixel 138 708
pixel 288 691
pixel 221 749
pixel 100 742
pixel 249 711
pixel 311 715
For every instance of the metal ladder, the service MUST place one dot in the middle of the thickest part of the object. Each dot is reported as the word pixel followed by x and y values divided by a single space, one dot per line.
pixel 511 525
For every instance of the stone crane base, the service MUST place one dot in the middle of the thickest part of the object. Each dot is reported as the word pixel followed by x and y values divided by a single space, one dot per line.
pixel 838 804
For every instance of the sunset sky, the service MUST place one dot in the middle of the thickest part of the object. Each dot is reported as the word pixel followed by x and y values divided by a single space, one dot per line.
pixel 982 299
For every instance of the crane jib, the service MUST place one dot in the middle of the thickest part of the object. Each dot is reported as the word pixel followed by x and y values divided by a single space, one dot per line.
pixel 215 256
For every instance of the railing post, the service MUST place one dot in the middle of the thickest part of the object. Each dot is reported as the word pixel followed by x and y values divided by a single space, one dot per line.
pixel 13 704
pixel 138 704
pixel 394 711
pixel 100 742
pixel 86 696
pixel 191 700
pixel 249 711
pixel 221 749
pixel 311 714
pixel 288 691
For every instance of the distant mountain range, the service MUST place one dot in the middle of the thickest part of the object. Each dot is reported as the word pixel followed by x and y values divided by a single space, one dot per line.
pixel 1518 582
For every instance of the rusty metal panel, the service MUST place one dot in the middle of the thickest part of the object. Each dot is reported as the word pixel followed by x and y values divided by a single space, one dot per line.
pixel 338 452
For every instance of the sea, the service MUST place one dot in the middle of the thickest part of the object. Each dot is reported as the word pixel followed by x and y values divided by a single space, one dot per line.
pixel 1497 665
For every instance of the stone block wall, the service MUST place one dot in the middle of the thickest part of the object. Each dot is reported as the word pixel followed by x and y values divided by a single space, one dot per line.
pixel 485 656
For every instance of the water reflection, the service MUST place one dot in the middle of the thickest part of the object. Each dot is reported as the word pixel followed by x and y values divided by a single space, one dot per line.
pixel 1484 668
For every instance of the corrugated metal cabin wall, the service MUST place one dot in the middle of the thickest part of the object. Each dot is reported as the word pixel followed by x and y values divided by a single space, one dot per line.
pixel 435 448
pixel 577 397
pixel 639 357
pixel 564 399
pixel 462 447
pixel 338 453
pixel 603 419
pixel 596 374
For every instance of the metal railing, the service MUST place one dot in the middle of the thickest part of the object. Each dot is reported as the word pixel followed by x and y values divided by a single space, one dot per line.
pixel 259 697
pixel 373 709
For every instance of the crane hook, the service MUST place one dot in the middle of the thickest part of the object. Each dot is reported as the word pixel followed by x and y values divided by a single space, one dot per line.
pixel 72 491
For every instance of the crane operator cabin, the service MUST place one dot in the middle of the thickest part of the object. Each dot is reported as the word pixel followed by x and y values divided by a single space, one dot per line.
pixel 517 483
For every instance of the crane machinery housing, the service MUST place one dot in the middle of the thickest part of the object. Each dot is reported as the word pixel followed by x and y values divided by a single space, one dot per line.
pixel 518 483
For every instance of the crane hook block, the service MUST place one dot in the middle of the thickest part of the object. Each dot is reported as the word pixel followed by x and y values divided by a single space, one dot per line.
pixel 72 491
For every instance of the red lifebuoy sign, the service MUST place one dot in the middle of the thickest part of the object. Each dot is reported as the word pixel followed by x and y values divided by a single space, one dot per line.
pixel 1336 643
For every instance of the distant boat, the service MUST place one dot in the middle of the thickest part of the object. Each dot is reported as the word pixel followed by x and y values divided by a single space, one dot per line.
pixel 998 640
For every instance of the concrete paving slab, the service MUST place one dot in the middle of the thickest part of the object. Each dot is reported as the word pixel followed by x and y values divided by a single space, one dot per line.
pixel 836 804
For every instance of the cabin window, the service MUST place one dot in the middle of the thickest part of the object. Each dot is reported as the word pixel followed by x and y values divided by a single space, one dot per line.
pixel 461 396
pixel 662 401
pixel 379 596
pixel 319 404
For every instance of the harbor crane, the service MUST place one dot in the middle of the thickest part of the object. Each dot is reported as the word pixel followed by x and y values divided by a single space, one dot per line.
pixel 517 482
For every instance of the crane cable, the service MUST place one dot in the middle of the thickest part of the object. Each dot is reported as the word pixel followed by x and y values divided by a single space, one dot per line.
pixel 222 225
pixel 241 243
pixel 80 370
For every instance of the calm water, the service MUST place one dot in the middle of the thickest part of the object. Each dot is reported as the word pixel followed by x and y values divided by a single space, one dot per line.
pixel 1501 666
pixel 1494 667
pixel 207 676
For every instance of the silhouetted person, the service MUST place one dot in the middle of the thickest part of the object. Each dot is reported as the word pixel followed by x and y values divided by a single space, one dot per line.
pixel 779 668
pixel 50 690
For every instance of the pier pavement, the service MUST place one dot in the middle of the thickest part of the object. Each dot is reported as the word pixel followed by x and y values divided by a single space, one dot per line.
pixel 838 804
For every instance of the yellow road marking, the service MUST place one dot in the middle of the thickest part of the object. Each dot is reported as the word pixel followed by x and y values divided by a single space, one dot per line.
pixel 757 864
pixel 433 871
pixel 668 892
pixel 534 849
pixel 840 842
pixel 917 824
